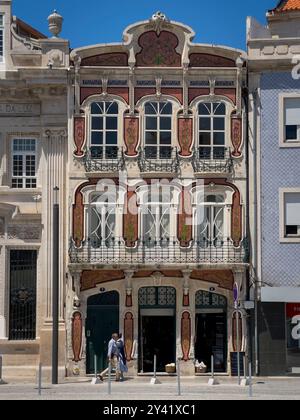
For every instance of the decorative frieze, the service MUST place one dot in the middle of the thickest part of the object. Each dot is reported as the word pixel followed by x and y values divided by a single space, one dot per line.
pixel 131 221
pixel 128 335
pixel 209 60
pixel 79 135
pixel 158 50
pixel 106 60
pixel 236 136
pixel 131 135
pixel 10 109
pixel 186 335
pixel 185 136
pixel 25 232
pixel 77 328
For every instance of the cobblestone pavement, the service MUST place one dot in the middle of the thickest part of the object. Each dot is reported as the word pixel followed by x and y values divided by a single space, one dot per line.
pixel 140 389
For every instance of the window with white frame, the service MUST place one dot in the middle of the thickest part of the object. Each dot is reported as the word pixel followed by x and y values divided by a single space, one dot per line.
pixel 210 219
pixel 158 130
pixel 212 130
pixel 24 162
pixel 292 120
pixel 104 130
pixel 292 215
pixel 156 210
pixel 1 38
pixel 102 220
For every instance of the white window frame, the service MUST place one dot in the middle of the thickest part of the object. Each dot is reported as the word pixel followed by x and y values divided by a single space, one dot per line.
pixel 282 131
pixel 164 98
pixel 24 154
pixel 282 235
pixel 211 132
pixel 2 29
pixel 230 107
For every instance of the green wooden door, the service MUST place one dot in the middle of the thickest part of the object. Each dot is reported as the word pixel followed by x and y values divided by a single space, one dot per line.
pixel 102 321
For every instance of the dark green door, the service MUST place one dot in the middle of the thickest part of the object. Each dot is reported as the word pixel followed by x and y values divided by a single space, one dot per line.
pixel 102 321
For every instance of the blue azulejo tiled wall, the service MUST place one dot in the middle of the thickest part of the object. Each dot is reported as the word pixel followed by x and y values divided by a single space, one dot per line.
pixel 280 168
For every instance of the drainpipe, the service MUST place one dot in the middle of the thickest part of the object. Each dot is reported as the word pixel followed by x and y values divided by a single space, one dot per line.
pixel 248 230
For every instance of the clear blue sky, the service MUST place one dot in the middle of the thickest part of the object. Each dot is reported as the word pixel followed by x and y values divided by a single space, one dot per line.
pixel 214 21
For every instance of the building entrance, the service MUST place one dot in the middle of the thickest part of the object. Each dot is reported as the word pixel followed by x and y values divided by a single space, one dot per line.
pixel 211 330
pixel 102 321
pixel 157 328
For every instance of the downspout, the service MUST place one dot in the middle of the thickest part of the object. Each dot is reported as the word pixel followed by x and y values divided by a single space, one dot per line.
pixel 248 230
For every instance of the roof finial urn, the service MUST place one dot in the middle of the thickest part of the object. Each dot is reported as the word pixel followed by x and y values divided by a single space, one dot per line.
pixel 55 24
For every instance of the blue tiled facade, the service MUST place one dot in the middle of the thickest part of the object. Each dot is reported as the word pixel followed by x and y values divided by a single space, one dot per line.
pixel 280 168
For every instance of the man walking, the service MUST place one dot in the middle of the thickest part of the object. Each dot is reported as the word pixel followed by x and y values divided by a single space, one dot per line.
pixel 113 358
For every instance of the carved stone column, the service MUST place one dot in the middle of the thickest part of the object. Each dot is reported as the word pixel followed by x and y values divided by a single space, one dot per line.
pixel 128 281
pixel 186 287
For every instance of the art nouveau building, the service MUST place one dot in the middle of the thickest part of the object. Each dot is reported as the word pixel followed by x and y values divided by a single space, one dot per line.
pixel 146 142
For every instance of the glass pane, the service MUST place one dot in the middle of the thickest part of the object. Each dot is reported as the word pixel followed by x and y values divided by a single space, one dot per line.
pixel 219 109
pixel 111 137
pixel 97 152
pixel 111 152
pixel 166 108
pixel 219 153
pixel 219 139
pixel 205 153
pixel 151 123
pixel 204 139
pixel 151 108
pixel 111 123
pixel 205 124
pixel 165 138
pixel 151 152
pixel 165 123
pixel 97 123
pixel 204 109
pixel 165 153
pixel 30 165
pixel 97 108
pixel 151 138
pixel 18 166
pixel 112 108
pixel 219 124
pixel 97 138
pixel 291 132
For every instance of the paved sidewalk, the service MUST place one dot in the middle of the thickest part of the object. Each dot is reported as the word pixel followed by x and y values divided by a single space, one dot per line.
pixel 140 389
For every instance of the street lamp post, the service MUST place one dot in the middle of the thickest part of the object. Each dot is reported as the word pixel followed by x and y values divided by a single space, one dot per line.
pixel 55 287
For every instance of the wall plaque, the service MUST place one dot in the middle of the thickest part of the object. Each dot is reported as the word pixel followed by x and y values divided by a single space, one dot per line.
pixel 19 109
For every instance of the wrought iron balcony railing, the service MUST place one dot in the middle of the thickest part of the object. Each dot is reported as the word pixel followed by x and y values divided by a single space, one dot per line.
pixel 100 160
pixel 166 251
pixel 164 160
pixel 218 160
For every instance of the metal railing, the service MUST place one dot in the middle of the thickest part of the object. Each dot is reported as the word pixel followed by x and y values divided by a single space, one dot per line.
pixel 166 160
pixel 113 161
pixel 118 251
pixel 213 162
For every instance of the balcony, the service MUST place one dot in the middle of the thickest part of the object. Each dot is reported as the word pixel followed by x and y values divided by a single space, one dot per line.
pixel 216 161
pixel 111 160
pixel 167 252
pixel 165 160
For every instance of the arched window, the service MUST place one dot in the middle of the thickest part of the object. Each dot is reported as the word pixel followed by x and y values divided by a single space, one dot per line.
pixel 210 219
pixel 158 130
pixel 102 217
pixel 212 131
pixel 104 130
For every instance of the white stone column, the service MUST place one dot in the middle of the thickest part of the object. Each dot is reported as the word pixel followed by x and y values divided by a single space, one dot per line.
pixel 55 149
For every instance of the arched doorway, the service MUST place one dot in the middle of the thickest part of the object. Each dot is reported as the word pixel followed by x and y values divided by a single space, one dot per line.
pixel 211 330
pixel 157 327
pixel 102 321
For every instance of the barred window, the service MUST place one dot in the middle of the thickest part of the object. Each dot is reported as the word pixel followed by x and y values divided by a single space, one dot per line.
pixel 104 130
pixel 24 163
pixel 1 38
pixel 22 311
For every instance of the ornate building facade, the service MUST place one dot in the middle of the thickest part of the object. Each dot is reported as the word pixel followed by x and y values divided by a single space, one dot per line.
pixel 146 141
